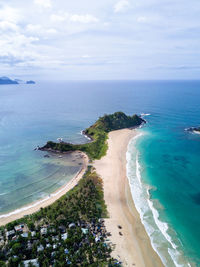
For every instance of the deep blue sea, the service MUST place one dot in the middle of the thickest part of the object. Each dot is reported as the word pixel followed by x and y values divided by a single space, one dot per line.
pixel 163 162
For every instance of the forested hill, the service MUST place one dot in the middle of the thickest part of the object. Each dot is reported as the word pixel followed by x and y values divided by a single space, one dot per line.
pixel 98 132
pixel 116 121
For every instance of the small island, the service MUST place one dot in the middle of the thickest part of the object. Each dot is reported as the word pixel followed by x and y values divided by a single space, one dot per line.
pixel 194 130
pixel 98 133
pixel 5 80
pixel 30 82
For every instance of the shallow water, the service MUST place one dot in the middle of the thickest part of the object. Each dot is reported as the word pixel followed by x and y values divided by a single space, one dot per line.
pixel 168 156
pixel 43 177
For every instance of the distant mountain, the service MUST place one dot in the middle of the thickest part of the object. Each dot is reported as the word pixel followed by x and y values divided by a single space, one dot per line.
pixel 6 80
pixel 30 82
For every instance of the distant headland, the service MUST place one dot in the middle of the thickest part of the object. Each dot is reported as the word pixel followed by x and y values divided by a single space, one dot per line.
pixel 98 134
pixel 30 82
pixel 6 80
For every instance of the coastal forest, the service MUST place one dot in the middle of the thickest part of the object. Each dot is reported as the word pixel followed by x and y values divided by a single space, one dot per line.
pixel 71 231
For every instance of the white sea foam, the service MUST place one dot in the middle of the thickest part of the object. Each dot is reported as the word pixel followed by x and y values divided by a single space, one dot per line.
pixel 163 226
pixel 87 137
pixel 23 209
pixel 157 230
pixel 145 114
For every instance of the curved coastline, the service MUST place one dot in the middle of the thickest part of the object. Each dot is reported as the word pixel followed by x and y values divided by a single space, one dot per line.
pixel 132 244
pixel 162 236
pixel 42 203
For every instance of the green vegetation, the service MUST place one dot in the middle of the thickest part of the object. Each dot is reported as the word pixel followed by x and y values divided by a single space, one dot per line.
pixel 78 214
pixel 98 132
pixel 70 232
pixel 83 202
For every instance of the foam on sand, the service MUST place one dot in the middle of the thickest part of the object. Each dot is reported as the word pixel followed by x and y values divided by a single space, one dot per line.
pixel 166 245
pixel 17 211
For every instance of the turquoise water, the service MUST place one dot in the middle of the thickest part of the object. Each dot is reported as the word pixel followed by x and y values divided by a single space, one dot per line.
pixel 164 169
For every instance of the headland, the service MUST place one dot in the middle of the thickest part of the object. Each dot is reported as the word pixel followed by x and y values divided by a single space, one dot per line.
pixel 122 240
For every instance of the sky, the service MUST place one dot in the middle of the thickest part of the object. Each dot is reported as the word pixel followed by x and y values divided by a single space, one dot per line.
pixel 102 40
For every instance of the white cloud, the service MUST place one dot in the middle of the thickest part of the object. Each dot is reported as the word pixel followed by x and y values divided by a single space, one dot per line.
pixel 87 18
pixel 8 26
pixel 121 6
pixel 86 56
pixel 39 32
pixel 142 19
pixel 51 31
pixel 9 14
pixel 43 3
pixel 33 28
pixel 83 18
pixel 36 29
pixel 58 18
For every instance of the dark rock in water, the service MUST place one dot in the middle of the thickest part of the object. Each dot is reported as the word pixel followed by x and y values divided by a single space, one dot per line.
pixel 196 198
pixel 30 82
pixel 193 129
pixel 46 156
pixel 6 80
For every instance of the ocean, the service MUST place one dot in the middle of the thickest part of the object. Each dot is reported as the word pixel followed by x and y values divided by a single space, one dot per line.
pixel 162 162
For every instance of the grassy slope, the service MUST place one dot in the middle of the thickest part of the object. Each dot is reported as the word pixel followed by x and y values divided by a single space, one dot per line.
pixel 99 134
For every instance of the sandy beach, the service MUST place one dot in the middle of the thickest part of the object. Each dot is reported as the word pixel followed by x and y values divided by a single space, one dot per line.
pixel 132 246
pixel 33 207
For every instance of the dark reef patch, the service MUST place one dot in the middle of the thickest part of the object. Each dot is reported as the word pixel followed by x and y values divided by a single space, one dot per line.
pixel 196 198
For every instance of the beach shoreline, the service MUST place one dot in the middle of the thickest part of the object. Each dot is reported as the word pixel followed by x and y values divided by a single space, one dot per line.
pixel 128 235
pixel 42 203
pixel 132 245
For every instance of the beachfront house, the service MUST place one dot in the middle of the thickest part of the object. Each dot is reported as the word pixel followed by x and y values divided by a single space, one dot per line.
pixel 64 236
pixel 33 262
pixel 43 231
pixel 19 228
pixel 10 234
pixel 72 225
pixel 84 231
pixel 40 248
pixel 25 235
pixel 33 233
